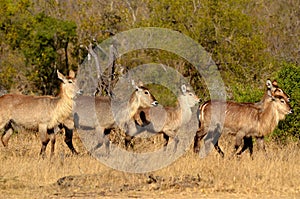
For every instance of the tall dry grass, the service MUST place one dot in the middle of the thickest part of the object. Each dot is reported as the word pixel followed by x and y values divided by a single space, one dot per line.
pixel 25 175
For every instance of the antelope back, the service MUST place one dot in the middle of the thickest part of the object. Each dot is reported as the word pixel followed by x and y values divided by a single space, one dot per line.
pixel 168 116
pixel 31 111
pixel 109 110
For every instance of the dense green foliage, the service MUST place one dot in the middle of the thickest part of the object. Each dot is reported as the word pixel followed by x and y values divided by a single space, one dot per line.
pixel 289 78
pixel 41 40
pixel 249 41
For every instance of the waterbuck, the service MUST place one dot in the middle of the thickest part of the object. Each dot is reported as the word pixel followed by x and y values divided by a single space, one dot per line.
pixel 42 113
pixel 273 90
pixel 110 113
pixel 246 120
pixel 169 119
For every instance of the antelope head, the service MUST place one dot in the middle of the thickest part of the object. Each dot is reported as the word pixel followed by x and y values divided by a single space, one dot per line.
pixel 144 97
pixel 69 87
pixel 190 98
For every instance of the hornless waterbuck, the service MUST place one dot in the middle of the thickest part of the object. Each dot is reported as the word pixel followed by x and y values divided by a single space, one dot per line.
pixel 273 90
pixel 112 114
pixel 247 120
pixel 42 113
pixel 169 120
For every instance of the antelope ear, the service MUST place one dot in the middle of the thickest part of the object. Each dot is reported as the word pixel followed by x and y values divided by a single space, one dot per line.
pixel 60 76
pixel 133 83
pixel 269 93
pixel 136 87
pixel 183 88
pixel 269 84
pixel 140 83
pixel 71 74
pixel 274 83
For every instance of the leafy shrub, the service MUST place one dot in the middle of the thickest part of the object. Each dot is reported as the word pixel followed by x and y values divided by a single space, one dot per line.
pixel 288 78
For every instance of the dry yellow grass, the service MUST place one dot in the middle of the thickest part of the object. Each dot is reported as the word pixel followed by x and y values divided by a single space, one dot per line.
pixel 25 175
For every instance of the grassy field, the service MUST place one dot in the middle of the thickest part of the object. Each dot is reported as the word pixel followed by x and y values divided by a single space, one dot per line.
pixel 25 175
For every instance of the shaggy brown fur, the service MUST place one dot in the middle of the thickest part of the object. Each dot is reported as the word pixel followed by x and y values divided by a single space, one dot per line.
pixel 170 119
pixel 247 120
pixel 108 117
pixel 41 113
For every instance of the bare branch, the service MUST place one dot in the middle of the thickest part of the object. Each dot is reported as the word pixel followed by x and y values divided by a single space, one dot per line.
pixel 132 10
pixel 111 66
pixel 97 63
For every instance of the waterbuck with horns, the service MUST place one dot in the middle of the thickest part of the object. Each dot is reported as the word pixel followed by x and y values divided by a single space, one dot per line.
pixel 42 113
pixel 109 115
pixel 168 120
pixel 247 120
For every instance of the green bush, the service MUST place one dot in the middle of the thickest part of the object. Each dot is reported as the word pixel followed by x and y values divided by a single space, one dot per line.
pixel 247 93
pixel 288 78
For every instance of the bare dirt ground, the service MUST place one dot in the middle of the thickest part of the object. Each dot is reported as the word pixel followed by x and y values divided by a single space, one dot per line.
pixel 25 175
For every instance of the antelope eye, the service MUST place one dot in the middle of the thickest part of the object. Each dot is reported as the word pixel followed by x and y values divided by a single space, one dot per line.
pixel 70 81
pixel 282 101
pixel 191 94
pixel 146 92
